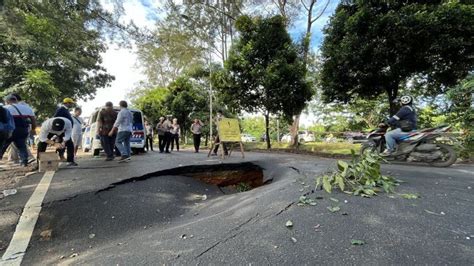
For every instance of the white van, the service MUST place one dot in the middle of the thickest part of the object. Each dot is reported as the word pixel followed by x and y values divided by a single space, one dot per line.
pixel 91 141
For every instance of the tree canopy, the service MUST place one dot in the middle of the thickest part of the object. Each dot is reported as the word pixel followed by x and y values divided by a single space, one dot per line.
pixel 375 47
pixel 52 49
pixel 263 72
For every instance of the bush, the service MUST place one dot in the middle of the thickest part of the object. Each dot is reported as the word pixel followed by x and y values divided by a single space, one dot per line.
pixel 362 176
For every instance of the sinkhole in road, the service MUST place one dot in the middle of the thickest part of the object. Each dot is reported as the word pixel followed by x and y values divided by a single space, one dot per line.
pixel 242 176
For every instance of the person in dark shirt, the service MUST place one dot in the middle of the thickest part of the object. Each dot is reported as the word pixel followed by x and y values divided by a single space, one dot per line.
pixel 105 123
pixel 63 111
pixel 404 122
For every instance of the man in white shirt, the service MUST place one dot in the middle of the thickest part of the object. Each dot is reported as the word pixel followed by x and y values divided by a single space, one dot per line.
pixel 57 131
pixel 23 116
pixel 77 129
pixel 123 125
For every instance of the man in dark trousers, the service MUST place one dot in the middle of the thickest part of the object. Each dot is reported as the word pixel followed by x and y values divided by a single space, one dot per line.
pixel 63 111
pixel 23 117
pixel 168 135
pixel 219 117
pixel 57 131
pixel 160 130
pixel 196 129
pixel 105 123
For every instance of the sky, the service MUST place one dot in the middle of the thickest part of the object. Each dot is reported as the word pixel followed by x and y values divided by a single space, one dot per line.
pixel 122 62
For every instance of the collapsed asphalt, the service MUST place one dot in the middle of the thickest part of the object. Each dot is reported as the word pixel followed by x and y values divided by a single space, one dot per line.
pixel 164 219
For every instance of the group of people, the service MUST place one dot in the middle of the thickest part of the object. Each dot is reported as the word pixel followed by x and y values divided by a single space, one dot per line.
pixel 18 126
pixel 63 131
pixel 169 133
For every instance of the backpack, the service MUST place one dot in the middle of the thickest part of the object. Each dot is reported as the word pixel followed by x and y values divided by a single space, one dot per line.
pixel 3 115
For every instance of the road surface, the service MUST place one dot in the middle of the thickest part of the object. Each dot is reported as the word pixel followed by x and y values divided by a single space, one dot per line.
pixel 105 213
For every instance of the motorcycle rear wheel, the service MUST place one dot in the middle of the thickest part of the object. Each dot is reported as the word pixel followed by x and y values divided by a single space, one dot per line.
pixel 449 154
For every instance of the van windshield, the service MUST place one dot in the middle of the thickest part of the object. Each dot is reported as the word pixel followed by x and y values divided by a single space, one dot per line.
pixel 137 117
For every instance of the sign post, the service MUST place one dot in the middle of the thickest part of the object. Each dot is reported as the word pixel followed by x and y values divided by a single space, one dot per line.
pixel 228 131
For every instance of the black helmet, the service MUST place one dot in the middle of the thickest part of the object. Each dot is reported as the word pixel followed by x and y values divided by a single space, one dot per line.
pixel 58 124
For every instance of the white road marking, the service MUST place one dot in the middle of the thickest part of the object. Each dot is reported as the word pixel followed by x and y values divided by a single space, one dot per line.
pixel 24 229
pixel 465 171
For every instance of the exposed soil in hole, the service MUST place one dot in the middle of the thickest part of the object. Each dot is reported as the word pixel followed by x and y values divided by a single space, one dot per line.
pixel 243 176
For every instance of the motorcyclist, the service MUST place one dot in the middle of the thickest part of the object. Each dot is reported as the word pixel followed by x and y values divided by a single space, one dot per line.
pixel 404 122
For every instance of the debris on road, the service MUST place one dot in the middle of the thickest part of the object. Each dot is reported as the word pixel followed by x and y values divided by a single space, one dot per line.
pixel 334 209
pixel 46 235
pixel 357 242
pixel 334 199
pixel 8 192
pixel 294 240
pixel 201 197
pixel 303 200
pixel 409 196
pixel 73 255
pixel 435 213
pixel 289 224
pixel 91 236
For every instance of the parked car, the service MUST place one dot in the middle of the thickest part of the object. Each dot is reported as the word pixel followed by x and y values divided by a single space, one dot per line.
pixel 303 136
pixel 355 137
pixel 247 138
pixel 91 141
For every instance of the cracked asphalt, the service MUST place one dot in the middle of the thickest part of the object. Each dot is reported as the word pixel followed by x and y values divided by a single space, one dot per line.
pixel 139 213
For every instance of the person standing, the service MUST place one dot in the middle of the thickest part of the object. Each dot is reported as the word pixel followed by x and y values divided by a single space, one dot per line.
pixel 160 130
pixel 219 117
pixel 123 125
pixel 63 111
pixel 7 125
pixel 77 129
pixel 105 123
pixel 23 117
pixel 168 135
pixel 57 131
pixel 149 136
pixel 196 129
pixel 175 131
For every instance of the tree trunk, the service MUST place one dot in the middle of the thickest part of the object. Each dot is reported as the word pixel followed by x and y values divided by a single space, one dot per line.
pixel 267 132
pixel 295 127
pixel 392 93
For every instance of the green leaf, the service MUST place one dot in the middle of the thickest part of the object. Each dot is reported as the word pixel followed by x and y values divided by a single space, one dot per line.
pixel 409 196
pixel 340 182
pixel 357 242
pixel 326 184
pixel 334 209
pixel 334 199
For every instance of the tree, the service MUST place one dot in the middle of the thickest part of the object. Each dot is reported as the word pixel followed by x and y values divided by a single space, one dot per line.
pixel 461 112
pixel 52 49
pixel 263 72
pixel 376 47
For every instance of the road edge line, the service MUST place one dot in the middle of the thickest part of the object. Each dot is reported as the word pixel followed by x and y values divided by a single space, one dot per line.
pixel 26 225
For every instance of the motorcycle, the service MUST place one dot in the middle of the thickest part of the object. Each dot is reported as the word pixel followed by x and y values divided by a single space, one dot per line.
pixel 418 146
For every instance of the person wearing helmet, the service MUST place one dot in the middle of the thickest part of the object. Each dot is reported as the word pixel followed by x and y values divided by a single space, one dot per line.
pixel 404 122
pixel 57 131
pixel 63 110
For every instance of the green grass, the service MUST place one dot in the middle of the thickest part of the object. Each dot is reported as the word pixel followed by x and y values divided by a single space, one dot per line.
pixel 339 148
pixel 320 148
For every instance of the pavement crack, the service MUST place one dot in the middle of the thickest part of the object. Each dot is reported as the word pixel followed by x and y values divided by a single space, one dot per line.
pixel 61 200
pixel 296 169
pixel 285 209
pixel 237 228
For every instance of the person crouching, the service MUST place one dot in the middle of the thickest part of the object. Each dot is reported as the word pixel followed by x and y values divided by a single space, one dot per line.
pixel 57 131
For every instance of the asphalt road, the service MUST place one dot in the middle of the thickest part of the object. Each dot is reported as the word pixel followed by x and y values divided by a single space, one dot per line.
pixel 162 218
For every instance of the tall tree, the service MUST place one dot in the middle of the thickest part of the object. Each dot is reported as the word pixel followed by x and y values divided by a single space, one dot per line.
pixel 312 15
pixel 376 47
pixel 263 72
pixel 52 49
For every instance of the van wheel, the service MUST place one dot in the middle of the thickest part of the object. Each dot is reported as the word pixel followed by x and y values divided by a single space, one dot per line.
pixel 96 152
